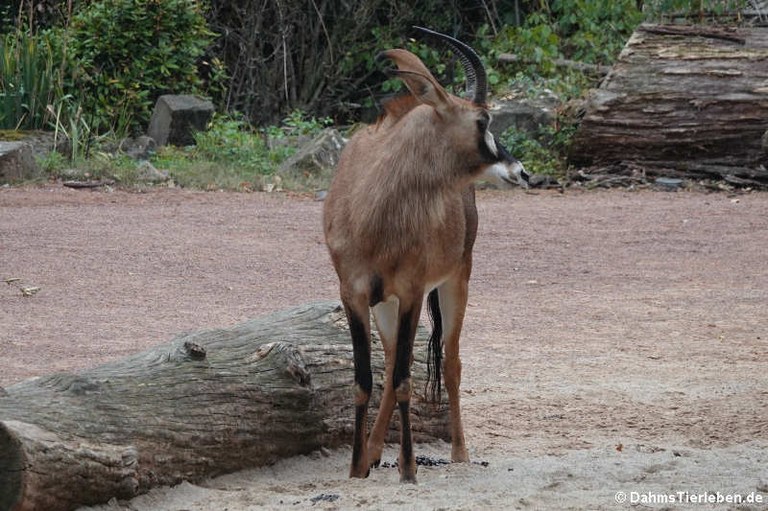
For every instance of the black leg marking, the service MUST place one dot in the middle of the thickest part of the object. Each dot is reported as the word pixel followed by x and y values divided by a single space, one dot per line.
pixel 361 349
pixel 408 464
pixel 362 352
pixel 402 387
pixel 403 351
pixel 405 423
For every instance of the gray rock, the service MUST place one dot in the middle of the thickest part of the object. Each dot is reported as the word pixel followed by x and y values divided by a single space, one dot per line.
pixel 177 117
pixel 316 160
pixel 139 148
pixel 526 115
pixel 147 173
pixel 41 142
pixel 543 181
pixel 17 163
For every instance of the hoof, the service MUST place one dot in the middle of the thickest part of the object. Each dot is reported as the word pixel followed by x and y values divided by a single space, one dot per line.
pixel 407 473
pixel 460 456
pixel 359 474
pixel 376 463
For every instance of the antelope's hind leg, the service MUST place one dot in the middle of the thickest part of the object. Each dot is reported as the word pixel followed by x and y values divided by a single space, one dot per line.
pixel 360 330
pixel 453 303
pixel 385 315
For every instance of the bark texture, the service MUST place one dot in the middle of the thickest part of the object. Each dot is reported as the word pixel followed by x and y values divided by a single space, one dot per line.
pixel 685 101
pixel 208 403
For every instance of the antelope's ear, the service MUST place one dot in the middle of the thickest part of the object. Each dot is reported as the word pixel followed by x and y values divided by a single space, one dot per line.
pixel 412 71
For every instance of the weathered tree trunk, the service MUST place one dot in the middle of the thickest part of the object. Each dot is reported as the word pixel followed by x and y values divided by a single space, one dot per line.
pixel 685 101
pixel 208 403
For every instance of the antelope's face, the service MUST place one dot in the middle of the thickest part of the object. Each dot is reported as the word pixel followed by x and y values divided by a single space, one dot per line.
pixel 468 131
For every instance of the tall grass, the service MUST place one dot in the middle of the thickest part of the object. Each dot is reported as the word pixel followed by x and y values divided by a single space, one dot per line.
pixel 30 79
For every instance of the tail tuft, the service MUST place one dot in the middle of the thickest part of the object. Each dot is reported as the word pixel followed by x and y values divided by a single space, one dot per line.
pixel 435 349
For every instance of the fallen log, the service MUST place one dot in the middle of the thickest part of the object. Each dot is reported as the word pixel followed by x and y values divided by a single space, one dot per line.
pixel 688 99
pixel 208 403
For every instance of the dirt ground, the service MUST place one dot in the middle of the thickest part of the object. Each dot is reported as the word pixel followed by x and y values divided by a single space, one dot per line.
pixel 615 349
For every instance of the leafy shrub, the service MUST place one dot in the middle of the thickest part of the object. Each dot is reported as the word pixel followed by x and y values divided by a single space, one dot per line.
pixel 296 124
pixel 232 141
pixel 232 154
pixel 543 152
pixel 129 52
pixel 699 10
pixel 591 31
pixel 594 31
pixel 30 69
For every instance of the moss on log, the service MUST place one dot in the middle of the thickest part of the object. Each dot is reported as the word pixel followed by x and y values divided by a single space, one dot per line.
pixel 208 403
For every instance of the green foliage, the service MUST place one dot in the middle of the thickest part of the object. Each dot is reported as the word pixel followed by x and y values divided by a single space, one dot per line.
pixel 700 10
pixel 594 31
pixel 590 31
pixel 30 70
pixel 231 141
pixel 6 18
pixel 232 154
pixel 126 53
pixel 52 162
pixel 544 152
pixel 298 123
pixel 71 130
pixel 536 157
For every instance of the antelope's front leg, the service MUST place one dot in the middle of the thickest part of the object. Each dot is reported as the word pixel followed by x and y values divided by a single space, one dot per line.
pixel 401 381
pixel 360 330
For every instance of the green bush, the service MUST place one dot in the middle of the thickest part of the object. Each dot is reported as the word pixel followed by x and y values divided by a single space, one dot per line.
pixel 700 11
pixel 126 53
pixel 543 152
pixel 30 68
pixel 590 31
pixel 231 141
pixel 231 154
pixel 594 31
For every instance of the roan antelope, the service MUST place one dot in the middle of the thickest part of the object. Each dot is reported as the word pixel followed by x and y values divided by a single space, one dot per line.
pixel 400 222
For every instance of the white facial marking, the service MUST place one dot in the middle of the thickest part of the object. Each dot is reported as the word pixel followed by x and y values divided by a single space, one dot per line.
pixel 517 170
pixel 494 174
pixel 491 143
pixel 503 175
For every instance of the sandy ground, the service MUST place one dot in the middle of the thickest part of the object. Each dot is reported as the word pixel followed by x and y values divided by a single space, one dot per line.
pixel 615 347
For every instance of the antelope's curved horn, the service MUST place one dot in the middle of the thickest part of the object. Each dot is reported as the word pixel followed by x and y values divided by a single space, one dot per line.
pixel 477 81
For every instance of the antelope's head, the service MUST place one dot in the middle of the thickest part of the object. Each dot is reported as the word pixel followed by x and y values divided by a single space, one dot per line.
pixel 464 122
